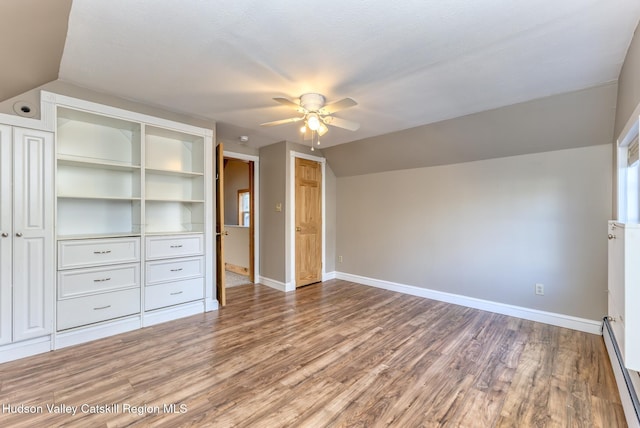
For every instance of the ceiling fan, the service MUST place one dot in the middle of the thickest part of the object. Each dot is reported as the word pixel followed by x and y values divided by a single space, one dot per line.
pixel 316 114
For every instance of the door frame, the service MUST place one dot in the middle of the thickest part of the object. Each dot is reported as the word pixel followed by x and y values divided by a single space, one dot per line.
pixel 256 206
pixel 291 257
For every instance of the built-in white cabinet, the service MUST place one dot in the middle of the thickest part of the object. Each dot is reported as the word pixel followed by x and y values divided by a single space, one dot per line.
pixel 624 289
pixel 26 234
pixel 134 218
pixel 98 280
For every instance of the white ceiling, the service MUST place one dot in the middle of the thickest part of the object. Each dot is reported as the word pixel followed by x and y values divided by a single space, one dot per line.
pixel 406 63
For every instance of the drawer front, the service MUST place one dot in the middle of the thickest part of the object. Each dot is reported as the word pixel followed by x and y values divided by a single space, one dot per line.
pixel 76 282
pixel 173 293
pixel 93 252
pixel 172 270
pixel 162 247
pixel 98 307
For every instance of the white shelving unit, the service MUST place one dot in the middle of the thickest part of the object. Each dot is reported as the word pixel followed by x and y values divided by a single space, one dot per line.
pixel 174 182
pixel 134 198
pixel 98 176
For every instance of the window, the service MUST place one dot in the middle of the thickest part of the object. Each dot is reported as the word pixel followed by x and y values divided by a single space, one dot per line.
pixel 244 207
pixel 629 177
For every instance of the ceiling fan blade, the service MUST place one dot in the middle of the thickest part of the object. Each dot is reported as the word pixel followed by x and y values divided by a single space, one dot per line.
pixel 282 121
pixel 337 106
pixel 287 102
pixel 341 123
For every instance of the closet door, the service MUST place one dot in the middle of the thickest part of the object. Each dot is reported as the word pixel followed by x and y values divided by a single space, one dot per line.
pixel 6 223
pixel 33 245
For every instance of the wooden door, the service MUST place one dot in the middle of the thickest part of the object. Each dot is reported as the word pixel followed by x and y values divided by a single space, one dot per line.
pixel 33 241
pixel 308 222
pixel 6 234
pixel 220 232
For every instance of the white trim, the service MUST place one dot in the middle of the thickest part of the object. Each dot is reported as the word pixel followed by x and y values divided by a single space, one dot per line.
pixel 328 276
pixel 625 395
pixel 560 320
pixel 280 286
pixel 256 206
pixel 292 211
pixel 172 313
pixel 27 348
pixel 211 305
pixel 131 116
pixel 99 331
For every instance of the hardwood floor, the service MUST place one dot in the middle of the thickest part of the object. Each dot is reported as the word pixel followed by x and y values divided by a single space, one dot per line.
pixel 333 354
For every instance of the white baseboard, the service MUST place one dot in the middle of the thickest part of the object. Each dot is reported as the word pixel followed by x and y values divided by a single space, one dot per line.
pixel 560 320
pixel 281 286
pixel 211 305
pixel 172 313
pixel 27 348
pixel 326 276
pixel 94 332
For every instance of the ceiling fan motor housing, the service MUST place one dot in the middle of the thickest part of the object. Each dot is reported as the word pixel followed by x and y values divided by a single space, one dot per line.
pixel 312 102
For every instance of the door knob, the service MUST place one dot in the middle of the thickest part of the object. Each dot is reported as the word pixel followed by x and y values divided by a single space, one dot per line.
pixel 5 234
pixel 298 229
pixel 612 236
pixel 19 235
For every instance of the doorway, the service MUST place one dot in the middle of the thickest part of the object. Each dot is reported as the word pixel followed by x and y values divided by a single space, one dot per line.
pixel 237 255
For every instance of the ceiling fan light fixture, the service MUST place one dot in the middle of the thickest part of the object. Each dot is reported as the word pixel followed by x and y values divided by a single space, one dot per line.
pixel 313 121
pixel 303 129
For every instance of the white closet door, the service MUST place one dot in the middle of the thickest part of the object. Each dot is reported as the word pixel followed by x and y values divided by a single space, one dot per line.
pixel 6 226
pixel 33 244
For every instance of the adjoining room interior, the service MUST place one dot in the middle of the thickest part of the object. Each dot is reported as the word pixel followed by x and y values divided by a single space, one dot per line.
pixel 238 197
pixel 271 214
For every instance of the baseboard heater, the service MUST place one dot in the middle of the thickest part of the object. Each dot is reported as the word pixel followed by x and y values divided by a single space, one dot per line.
pixel 626 388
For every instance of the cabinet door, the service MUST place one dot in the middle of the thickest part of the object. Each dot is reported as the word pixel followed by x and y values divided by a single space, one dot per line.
pixel 33 245
pixel 6 168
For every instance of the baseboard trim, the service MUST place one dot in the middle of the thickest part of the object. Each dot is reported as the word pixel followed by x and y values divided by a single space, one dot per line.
pixel 281 286
pixel 159 316
pixel 560 320
pixel 326 276
pixel 27 348
pixel 624 388
pixel 95 332
pixel 211 305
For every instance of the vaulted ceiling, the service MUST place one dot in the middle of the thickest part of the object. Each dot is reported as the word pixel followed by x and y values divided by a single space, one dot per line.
pixel 406 63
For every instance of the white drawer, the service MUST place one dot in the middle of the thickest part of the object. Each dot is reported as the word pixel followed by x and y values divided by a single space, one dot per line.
pixel 171 270
pixel 98 307
pixel 93 252
pixel 173 293
pixel 76 282
pixel 162 247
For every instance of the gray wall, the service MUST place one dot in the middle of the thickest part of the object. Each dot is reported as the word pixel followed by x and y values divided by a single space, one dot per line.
pixel 487 229
pixel 574 119
pixel 273 186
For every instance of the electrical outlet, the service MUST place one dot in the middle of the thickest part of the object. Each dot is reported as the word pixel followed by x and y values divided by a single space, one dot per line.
pixel 540 289
pixel 339 259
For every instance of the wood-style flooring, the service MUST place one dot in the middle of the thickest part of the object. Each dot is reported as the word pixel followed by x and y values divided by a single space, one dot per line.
pixel 335 354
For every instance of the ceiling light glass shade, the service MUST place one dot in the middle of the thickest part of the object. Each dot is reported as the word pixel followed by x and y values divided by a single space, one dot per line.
pixel 313 122
pixel 303 129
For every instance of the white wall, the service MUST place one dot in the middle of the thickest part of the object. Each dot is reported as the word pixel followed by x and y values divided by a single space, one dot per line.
pixel 488 229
